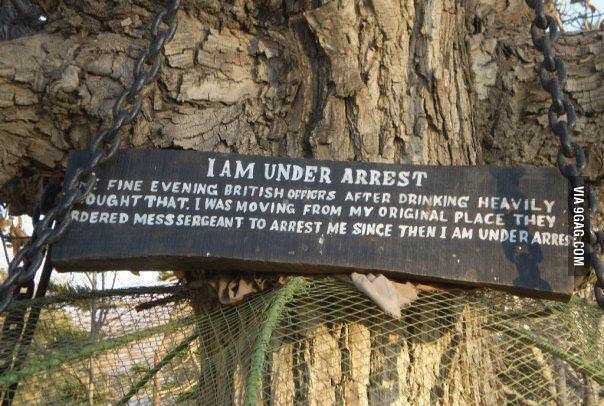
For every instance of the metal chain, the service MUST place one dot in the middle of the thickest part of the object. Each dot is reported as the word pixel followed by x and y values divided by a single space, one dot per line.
pixel 23 267
pixel 572 159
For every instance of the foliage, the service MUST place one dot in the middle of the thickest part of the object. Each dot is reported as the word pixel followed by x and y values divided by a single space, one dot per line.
pixel 315 341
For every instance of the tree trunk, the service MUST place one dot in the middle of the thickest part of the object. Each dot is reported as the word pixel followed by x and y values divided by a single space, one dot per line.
pixel 445 82
pixel 430 82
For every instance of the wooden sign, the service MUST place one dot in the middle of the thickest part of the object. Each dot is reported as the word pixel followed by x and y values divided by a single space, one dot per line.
pixel 505 227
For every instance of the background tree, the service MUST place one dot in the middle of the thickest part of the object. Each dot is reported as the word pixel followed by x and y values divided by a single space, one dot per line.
pixel 99 312
pixel 579 15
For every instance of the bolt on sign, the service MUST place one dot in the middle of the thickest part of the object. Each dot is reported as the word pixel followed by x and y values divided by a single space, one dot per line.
pixel 504 227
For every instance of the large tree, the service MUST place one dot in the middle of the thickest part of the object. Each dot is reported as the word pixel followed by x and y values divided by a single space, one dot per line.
pixel 446 82
pixel 434 82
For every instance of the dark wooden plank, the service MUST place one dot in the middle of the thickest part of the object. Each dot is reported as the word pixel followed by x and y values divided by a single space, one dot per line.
pixel 505 227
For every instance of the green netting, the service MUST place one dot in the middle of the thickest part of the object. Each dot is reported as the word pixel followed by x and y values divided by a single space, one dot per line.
pixel 313 341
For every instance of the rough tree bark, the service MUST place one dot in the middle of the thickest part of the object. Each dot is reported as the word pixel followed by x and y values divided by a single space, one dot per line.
pixel 438 82
pixel 446 82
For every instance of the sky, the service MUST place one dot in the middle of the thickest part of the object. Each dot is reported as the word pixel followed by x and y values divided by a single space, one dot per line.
pixel 599 4
pixel 148 278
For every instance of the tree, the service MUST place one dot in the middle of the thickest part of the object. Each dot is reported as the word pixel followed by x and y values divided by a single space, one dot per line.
pixel 98 318
pixel 443 83
pixel 447 83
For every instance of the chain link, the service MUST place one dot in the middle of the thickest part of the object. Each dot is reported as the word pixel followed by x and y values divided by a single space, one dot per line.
pixel 562 117
pixel 23 267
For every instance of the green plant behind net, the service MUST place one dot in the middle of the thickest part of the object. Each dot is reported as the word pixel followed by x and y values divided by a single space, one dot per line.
pixel 313 341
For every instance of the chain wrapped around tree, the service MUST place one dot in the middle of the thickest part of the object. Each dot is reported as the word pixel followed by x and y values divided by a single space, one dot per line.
pixel 23 267
pixel 552 74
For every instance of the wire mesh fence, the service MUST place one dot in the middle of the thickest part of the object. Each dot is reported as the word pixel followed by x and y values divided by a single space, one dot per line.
pixel 311 342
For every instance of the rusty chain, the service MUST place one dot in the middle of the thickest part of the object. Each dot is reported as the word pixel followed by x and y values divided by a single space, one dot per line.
pixel 22 269
pixel 572 159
